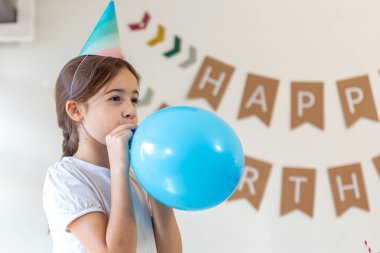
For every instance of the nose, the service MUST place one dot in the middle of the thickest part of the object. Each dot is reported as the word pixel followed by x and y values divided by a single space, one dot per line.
pixel 129 113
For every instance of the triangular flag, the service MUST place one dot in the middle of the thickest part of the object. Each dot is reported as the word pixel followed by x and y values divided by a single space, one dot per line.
pixel 105 40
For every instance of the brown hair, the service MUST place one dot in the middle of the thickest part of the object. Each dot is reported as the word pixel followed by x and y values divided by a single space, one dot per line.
pixel 91 73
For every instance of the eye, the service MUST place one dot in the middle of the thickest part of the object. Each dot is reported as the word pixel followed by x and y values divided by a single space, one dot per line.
pixel 115 98
pixel 135 100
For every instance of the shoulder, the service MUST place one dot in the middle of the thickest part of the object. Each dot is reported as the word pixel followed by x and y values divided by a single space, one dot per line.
pixel 62 179
pixel 67 195
pixel 63 172
pixel 66 188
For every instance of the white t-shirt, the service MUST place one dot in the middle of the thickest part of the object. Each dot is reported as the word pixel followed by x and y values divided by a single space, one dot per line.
pixel 73 188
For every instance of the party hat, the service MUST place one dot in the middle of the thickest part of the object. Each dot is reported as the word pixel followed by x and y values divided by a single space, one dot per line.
pixel 105 40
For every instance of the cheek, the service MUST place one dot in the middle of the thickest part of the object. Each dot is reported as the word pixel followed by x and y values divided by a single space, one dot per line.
pixel 99 129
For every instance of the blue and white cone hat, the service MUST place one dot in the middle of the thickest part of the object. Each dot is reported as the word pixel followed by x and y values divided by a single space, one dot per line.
pixel 105 39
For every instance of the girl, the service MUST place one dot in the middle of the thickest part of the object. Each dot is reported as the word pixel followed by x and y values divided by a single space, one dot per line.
pixel 91 198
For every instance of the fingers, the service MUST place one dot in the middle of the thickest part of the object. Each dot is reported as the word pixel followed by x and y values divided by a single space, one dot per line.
pixel 123 127
pixel 122 132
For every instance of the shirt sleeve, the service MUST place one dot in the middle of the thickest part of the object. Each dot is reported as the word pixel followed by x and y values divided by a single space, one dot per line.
pixel 67 196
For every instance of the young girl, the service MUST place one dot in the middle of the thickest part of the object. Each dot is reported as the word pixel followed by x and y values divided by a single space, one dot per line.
pixel 91 197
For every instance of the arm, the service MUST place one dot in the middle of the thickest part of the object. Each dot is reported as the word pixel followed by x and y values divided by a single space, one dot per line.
pixel 166 232
pixel 119 233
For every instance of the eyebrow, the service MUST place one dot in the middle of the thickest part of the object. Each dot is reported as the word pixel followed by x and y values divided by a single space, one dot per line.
pixel 122 91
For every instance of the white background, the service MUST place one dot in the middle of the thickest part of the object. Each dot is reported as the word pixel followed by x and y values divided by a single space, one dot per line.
pixel 294 40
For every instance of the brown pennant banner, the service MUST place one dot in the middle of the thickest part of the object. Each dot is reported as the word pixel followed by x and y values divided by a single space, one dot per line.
pixel 357 100
pixel 258 98
pixel 211 81
pixel 376 162
pixel 163 105
pixel 347 185
pixel 307 104
pixel 253 182
pixel 298 190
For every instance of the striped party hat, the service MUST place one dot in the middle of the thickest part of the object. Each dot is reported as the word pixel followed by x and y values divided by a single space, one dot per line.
pixel 105 40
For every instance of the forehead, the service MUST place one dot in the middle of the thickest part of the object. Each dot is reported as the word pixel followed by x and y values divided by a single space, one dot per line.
pixel 123 80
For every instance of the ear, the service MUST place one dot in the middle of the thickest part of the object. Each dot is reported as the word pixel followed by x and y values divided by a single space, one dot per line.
pixel 73 109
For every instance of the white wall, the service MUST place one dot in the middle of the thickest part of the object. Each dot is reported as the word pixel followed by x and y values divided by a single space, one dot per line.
pixel 325 40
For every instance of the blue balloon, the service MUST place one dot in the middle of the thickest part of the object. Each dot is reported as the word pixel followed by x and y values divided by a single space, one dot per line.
pixel 187 158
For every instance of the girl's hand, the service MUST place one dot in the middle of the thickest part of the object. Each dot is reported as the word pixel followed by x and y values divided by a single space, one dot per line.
pixel 117 146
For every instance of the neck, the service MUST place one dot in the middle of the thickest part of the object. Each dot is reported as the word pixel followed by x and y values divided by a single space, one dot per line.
pixel 92 151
